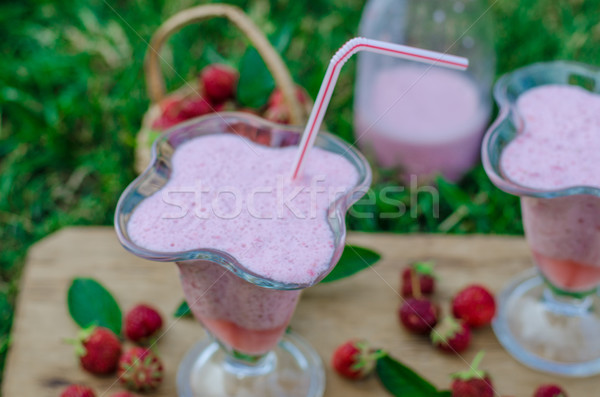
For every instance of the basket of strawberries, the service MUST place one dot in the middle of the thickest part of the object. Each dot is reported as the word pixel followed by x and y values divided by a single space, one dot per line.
pixel 215 89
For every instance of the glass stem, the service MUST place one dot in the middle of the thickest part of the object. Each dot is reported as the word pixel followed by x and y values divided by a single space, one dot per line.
pixel 567 303
pixel 240 364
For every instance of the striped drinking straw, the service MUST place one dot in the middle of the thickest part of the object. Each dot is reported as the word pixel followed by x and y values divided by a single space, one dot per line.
pixel 333 71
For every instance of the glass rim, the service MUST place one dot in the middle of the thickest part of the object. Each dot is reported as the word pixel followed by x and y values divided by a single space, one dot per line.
pixel 336 211
pixel 507 115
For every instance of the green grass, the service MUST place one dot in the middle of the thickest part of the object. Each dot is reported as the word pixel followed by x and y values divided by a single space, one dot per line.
pixel 72 95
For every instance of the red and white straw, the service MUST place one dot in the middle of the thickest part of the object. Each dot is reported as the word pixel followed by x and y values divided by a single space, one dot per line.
pixel 333 71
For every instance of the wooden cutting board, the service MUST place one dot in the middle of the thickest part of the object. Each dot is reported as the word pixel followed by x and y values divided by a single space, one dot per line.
pixel 40 364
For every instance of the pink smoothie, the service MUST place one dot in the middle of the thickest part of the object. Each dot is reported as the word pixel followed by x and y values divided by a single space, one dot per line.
pixel 229 194
pixel 559 147
pixel 243 316
pixel 426 121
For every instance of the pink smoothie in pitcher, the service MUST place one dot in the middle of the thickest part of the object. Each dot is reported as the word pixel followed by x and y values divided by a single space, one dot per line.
pixel 559 147
pixel 229 194
pixel 426 121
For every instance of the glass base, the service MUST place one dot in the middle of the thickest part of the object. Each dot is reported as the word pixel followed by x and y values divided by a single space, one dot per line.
pixel 547 330
pixel 292 369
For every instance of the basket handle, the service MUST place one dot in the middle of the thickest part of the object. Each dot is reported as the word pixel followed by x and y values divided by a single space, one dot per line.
pixel 154 79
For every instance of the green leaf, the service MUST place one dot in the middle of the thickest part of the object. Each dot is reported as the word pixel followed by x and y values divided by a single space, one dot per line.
pixel 402 381
pixel 452 193
pixel 183 310
pixel 91 304
pixel 255 83
pixel 283 38
pixel 353 260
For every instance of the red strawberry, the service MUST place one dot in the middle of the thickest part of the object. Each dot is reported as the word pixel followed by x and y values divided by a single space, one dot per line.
pixel 472 383
pixel 277 99
pixel 451 335
pixel 425 277
pixel 140 369
pixel 98 349
pixel 355 359
pixel 176 110
pixel 219 82
pixel 278 114
pixel 550 391
pixel 77 391
pixel 277 110
pixel 170 108
pixel 193 107
pixel 418 315
pixel 142 323
pixel 475 305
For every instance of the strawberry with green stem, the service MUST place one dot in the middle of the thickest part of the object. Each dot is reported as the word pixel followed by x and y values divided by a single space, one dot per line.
pixel 140 369
pixel 355 359
pixel 473 382
pixel 425 276
pixel 418 314
pixel 98 349
pixel 451 335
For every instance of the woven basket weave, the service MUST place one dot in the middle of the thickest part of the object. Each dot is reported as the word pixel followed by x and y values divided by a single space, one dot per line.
pixel 155 84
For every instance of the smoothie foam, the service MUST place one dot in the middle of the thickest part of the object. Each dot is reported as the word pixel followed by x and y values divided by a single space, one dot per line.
pixel 559 147
pixel 229 194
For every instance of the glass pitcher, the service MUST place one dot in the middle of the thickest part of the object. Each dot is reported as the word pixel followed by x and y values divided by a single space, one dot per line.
pixel 425 120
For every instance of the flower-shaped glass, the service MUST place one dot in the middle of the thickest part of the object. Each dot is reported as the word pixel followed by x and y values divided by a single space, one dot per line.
pixel 246 315
pixel 549 321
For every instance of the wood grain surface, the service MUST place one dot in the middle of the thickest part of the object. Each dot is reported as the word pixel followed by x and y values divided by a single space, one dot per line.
pixel 40 364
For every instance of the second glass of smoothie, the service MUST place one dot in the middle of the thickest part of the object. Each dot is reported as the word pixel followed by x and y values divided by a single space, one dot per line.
pixel 545 148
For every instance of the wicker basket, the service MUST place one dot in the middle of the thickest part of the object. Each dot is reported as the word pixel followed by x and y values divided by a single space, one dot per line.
pixel 155 82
